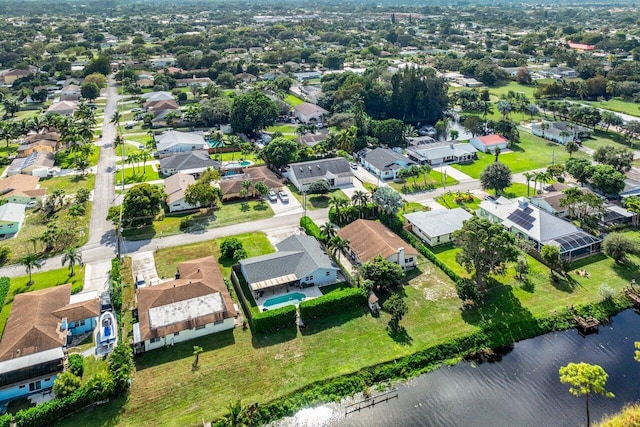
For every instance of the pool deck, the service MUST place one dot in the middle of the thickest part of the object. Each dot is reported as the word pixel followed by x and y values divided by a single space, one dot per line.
pixel 312 292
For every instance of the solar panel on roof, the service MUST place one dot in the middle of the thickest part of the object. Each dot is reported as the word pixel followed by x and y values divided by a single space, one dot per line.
pixel 522 219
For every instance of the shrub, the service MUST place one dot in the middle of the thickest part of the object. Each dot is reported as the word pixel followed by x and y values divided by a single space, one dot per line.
pixel 5 253
pixel 230 246
pixel 5 420
pixel 75 364
pixel 606 291
pixel 273 320
pixel 333 302
pixel 66 384
pixel 121 366
pixel 5 283
pixel 310 227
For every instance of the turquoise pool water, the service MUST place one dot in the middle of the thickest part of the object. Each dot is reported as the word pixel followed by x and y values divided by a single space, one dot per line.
pixel 285 299
pixel 214 143
pixel 237 164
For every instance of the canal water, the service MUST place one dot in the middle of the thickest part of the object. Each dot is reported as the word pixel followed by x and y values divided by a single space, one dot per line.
pixel 523 389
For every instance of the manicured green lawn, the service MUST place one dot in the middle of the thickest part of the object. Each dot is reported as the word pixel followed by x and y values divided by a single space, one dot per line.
pixel 140 139
pixel 515 87
pixel 317 201
pixel 617 104
pixel 64 160
pixel 530 153
pixel 410 207
pixel 293 100
pixel 467 200
pixel 42 280
pixel 229 213
pixel 134 174
pixel 70 184
pixel 167 260
pixel 434 180
pixel 129 149
pixel 601 138
pixel 282 128
pixel 516 190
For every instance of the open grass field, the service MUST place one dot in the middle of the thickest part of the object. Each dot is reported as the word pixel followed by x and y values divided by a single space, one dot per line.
pixel 229 213
pixel 467 200
pixel 433 180
pixel 601 138
pixel 64 160
pixel 282 128
pixel 618 105
pixel 70 184
pixel 135 174
pixel 316 201
pixel 42 280
pixel 530 153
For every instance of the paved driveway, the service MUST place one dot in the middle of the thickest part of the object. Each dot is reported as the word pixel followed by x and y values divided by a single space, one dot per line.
pixel 280 208
pixel 144 263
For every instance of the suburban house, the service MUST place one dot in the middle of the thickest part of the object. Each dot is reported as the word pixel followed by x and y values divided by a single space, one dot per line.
pixel 21 189
pixel 336 171
pixel 560 132
pixel 383 162
pixel 442 152
pixel 157 107
pixel 192 163
pixel 312 139
pixel 11 217
pixel 10 76
pixel 199 81
pixel 309 113
pixel 63 108
pixel 178 142
pixel 436 227
pixel 245 77
pixel 539 227
pixel 307 75
pixel 161 118
pixel 469 82
pixel 368 239
pixel 38 163
pixel 39 327
pixel 162 62
pixel 300 260
pixel 174 187
pixel 195 304
pixel 157 96
pixel 46 141
pixel 231 186
pixel 580 46
pixel 552 201
pixel 70 93
pixel 558 73
pixel 489 143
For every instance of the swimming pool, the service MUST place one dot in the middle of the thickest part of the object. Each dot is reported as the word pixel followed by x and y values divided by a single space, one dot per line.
pixel 286 299
pixel 237 164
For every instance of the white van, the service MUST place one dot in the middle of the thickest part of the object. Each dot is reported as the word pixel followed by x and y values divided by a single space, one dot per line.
pixel 140 282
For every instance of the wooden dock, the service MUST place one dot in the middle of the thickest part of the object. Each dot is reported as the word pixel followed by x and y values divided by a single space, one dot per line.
pixel 371 401
pixel 634 295
pixel 587 324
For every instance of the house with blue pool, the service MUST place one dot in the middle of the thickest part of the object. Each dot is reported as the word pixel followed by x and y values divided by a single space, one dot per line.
pixel 299 266
pixel 40 327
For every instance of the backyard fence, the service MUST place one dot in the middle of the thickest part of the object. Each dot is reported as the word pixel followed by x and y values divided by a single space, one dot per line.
pixel 236 285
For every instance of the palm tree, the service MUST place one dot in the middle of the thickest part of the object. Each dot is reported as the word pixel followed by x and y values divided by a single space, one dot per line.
pixel 338 203
pixel 81 162
pixel 72 256
pixel 571 147
pixel 262 189
pixel 425 170
pixel 337 245
pixel 328 231
pixel 496 153
pixel 115 120
pixel 360 199
pixel 504 107
pixel 144 156
pixel 236 415
pixel 196 353
pixel 29 261
pixel 543 178
pixel 246 185
pixel 528 176
pixel 233 142
pixel 7 131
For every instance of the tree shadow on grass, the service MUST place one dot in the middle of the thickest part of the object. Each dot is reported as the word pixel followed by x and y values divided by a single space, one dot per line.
pixel 501 314
pixel 260 206
pixel 244 207
pixel 273 338
pixel 139 233
pixel 107 415
pixel 184 350
pixel 526 284
pixel 399 335
pixel 331 321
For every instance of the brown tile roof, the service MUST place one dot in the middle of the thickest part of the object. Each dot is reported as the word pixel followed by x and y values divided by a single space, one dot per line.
pixel 79 311
pixel 32 327
pixel 555 198
pixel 175 186
pixel 18 184
pixel 162 105
pixel 50 136
pixel 198 277
pixel 368 239
pixel 231 187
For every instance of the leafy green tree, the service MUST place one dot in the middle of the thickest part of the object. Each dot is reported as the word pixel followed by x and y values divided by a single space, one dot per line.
pixel 75 364
pixel 252 111
pixel 120 363
pixel 89 91
pixel 281 151
pixel 607 179
pixel 584 380
pixel 230 246
pixel 496 176
pixel 72 256
pixel 389 132
pixel 580 169
pixel 141 204
pixel 201 194
pixel 99 79
pixel 320 186
pixel 397 307
pixel 485 248
pixel 551 256
pixel 99 386
pixel 387 200
pixel 261 189
pixel 618 246
pixel 618 157
pixel 385 274
pixel 101 64
pixel 65 384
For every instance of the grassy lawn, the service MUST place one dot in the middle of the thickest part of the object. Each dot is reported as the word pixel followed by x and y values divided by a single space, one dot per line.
pixel 293 100
pixel 467 200
pixel 516 190
pixel 434 180
pixel 33 227
pixel 70 184
pixel 410 207
pixel 42 280
pixel 229 213
pixel 129 149
pixel 64 160
pixel 317 201
pixel 282 128
pixel 137 174
pixel 600 138
pixel 530 153
pixel 167 260
pixel 618 105
pixel 514 87
pixel 138 139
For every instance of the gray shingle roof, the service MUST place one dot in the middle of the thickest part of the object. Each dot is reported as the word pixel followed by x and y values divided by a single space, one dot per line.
pixel 299 255
pixel 307 172
pixel 385 159
pixel 190 160
pixel 438 222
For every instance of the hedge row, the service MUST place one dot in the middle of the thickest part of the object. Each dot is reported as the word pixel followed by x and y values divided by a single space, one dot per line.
pixel 5 283
pixel 424 250
pixel 331 303
pixel 273 320
pixel 310 227
pixel 5 420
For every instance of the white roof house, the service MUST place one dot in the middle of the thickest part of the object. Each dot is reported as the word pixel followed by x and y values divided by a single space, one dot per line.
pixel 310 113
pixel 175 187
pixel 158 96
pixel 541 228
pixel 442 152
pixel 435 227
pixel 179 142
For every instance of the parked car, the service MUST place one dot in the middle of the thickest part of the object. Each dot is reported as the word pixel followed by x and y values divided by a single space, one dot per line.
pixel 273 196
pixel 105 301
pixel 427 131
pixel 283 196
pixel 354 166
pixel 136 110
